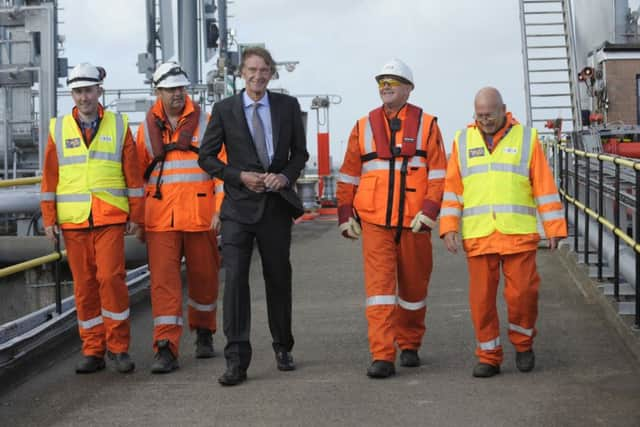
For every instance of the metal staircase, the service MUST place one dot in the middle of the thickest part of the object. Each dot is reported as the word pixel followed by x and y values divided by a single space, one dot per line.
pixel 548 54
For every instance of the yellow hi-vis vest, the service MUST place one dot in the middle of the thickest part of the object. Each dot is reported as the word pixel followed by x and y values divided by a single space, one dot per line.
pixel 497 191
pixel 89 172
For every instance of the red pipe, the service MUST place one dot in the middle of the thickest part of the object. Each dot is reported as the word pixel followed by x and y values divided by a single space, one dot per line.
pixel 627 149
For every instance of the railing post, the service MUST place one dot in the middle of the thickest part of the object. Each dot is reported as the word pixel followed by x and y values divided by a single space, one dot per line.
pixel 637 240
pixel 616 238
pixel 600 213
pixel 587 198
pixel 576 197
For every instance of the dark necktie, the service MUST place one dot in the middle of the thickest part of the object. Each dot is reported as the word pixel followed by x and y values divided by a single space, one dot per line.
pixel 259 138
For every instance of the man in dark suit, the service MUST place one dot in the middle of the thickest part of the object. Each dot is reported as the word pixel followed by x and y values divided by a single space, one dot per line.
pixel 266 150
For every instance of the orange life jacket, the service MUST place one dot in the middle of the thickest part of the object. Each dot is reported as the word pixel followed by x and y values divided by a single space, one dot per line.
pixel 393 180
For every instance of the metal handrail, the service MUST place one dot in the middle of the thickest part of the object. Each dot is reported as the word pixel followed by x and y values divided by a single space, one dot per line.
pixel 20 181
pixel 633 242
pixel 35 262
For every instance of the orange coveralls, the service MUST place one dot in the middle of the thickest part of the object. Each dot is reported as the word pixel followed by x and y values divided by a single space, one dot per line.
pixel 95 252
pixel 179 224
pixel 515 253
pixel 396 274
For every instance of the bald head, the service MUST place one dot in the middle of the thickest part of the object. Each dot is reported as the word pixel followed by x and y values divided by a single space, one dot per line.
pixel 490 111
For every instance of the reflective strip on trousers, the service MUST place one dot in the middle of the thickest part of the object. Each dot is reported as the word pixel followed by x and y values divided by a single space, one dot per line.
pixel 437 173
pixel 413 306
pixel 381 300
pixel 450 196
pixel 124 315
pixel 354 180
pixel 551 215
pixel 450 212
pixel 551 198
pixel 377 164
pixel 48 197
pixel 521 330
pixel 185 177
pixel 135 192
pixel 167 320
pixel 490 345
pixel 202 307
pixel 62 198
pixel 91 323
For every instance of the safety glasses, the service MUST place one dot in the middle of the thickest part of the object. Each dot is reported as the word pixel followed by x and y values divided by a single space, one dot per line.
pixel 389 81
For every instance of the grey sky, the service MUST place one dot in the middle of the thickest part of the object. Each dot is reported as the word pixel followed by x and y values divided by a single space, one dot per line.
pixel 453 47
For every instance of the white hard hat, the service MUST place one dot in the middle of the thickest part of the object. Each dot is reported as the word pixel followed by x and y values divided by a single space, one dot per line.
pixel 84 75
pixel 170 74
pixel 396 68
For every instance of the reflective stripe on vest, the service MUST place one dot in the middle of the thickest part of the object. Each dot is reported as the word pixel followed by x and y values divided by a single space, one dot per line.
pixel 84 172
pixel 497 190
pixel 348 179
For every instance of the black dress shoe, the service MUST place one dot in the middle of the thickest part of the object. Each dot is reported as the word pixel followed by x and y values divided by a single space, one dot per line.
pixel 233 376
pixel 285 361
pixel 89 365
pixel 409 358
pixel 165 360
pixel 485 370
pixel 122 361
pixel 204 344
pixel 525 360
pixel 381 369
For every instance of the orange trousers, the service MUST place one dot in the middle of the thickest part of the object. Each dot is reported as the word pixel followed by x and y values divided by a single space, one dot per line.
pixel 521 283
pixel 165 250
pixel 96 259
pixel 396 278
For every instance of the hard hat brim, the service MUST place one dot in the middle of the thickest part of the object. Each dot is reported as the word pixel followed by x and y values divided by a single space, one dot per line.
pixel 174 81
pixel 83 83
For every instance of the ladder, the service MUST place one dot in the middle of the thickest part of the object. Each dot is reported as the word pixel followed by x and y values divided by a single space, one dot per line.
pixel 548 55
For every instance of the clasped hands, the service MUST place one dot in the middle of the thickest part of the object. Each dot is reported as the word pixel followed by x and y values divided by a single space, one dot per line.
pixel 261 182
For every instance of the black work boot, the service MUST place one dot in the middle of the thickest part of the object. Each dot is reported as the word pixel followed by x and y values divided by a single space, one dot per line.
pixel 525 360
pixel 485 370
pixel 165 360
pixel 409 358
pixel 204 344
pixel 381 369
pixel 89 365
pixel 122 362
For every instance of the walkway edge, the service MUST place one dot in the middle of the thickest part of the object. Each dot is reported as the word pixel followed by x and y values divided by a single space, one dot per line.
pixel 589 289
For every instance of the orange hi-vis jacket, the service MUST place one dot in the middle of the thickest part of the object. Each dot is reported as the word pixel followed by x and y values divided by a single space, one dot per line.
pixel 544 192
pixel 371 180
pixel 189 196
pixel 102 212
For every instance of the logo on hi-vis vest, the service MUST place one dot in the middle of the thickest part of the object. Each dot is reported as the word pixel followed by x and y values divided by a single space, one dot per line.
pixel 476 152
pixel 511 150
pixel 72 143
pixel 105 138
pixel 407 139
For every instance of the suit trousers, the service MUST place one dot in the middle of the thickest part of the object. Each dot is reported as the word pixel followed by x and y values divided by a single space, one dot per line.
pixel 273 236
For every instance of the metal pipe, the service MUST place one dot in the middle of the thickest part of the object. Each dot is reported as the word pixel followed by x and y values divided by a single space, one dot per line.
pixel 616 238
pixel 20 181
pixel 188 38
pixel 36 262
pixel 621 10
pixel 23 200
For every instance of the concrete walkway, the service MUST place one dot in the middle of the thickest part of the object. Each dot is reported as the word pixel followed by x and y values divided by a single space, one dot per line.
pixel 585 375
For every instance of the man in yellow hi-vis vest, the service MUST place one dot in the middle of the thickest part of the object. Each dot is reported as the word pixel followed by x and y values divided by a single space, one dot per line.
pixel 92 191
pixel 497 180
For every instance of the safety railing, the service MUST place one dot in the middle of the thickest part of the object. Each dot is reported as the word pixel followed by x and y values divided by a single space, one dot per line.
pixel 579 177
pixel 20 181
